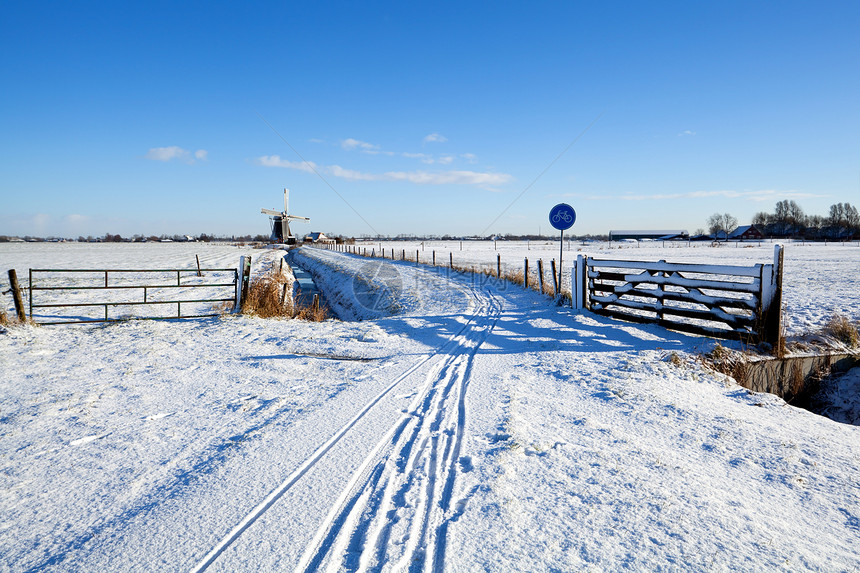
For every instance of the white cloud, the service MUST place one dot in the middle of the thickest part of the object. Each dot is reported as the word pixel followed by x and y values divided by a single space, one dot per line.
pixel 276 161
pixel 449 177
pixel 174 152
pixel 757 196
pixel 350 144
pixel 429 159
pixel 166 153
pixel 417 177
pixel 686 132
pixel 435 138
pixel 351 174
pixel 470 157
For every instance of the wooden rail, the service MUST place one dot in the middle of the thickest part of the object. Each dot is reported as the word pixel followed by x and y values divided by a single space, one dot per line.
pixel 726 301
pixel 221 281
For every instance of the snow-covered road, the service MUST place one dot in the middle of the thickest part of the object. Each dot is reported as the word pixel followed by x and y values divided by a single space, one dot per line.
pixel 471 425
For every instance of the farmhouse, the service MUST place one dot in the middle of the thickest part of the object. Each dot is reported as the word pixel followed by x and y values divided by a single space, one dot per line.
pixel 318 238
pixel 663 235
pixel 746 233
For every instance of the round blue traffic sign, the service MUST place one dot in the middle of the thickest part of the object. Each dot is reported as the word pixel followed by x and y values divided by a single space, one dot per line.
pixel 562 216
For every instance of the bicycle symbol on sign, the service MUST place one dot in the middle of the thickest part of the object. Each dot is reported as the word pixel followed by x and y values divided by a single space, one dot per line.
pixel 562 216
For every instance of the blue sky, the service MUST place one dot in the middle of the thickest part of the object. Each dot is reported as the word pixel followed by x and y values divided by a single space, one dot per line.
pixel 430 118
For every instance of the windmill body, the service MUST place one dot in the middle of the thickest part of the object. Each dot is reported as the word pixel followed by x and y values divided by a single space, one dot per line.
pixel 281 222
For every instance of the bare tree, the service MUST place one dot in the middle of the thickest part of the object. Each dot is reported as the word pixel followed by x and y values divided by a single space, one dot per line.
pixel 721 223
pixel 844 219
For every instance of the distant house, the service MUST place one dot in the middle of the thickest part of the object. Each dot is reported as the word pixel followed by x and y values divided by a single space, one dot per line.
pixel 663 235
pixel 317 238
pixel 746 233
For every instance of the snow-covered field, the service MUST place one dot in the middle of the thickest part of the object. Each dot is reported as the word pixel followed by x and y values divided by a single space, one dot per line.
pixel 463 425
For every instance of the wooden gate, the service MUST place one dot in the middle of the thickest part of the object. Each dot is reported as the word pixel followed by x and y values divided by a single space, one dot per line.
pixel 725 301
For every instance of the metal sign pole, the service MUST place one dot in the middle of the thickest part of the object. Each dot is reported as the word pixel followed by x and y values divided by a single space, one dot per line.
pixel 560 254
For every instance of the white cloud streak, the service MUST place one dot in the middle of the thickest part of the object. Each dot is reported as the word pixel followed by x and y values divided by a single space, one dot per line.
pixel 453 177
pixel 276 161
pixel 174 152
pixel 350 144
pixel 435 138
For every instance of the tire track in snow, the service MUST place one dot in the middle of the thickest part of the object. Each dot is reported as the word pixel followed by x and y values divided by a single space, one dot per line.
pixel 453 342
pixel 395 510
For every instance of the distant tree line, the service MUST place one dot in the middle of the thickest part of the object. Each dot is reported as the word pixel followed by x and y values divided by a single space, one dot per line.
pixel 789 221
pixel 111 238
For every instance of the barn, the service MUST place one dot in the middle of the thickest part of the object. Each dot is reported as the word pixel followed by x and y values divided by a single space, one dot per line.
pixel 746 233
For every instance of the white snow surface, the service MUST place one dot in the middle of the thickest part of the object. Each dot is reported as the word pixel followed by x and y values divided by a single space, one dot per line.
pixel 462 424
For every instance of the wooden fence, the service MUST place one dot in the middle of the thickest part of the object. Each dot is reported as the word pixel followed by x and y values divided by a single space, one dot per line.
pixel 717 300
pixel 57 290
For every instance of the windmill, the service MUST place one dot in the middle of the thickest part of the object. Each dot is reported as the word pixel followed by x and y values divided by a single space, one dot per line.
pixel 281 222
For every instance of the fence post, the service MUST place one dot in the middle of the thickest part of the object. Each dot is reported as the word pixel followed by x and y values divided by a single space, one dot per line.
pixel 773 308
pixel 244 280
pixel 16 295
pixel 498 266
pixel 526 273
pixel 555 277
pixel 578 287
pixel 434 258
pixel 540 275
pixel 451 260
pixel 199 274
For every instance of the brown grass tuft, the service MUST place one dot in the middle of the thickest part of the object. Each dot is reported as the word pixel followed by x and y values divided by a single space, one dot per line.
pixel 4 318
pixel 516 277
pixel 728 362
pixel 841 328
pixel 266 297
pixel 311 314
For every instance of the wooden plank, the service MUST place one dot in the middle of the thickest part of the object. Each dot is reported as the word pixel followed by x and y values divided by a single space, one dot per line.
pixel 680 326
pixel 712 315
pixel 679 281
pixel 694 297
pixel 662 266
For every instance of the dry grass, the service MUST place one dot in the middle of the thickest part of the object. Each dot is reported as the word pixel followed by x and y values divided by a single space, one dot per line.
pixel 4 318
pixel 843 330
pixel 728 362
pixel 311 313
pixel 516 277
pixel 269 296
pixel 266 297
